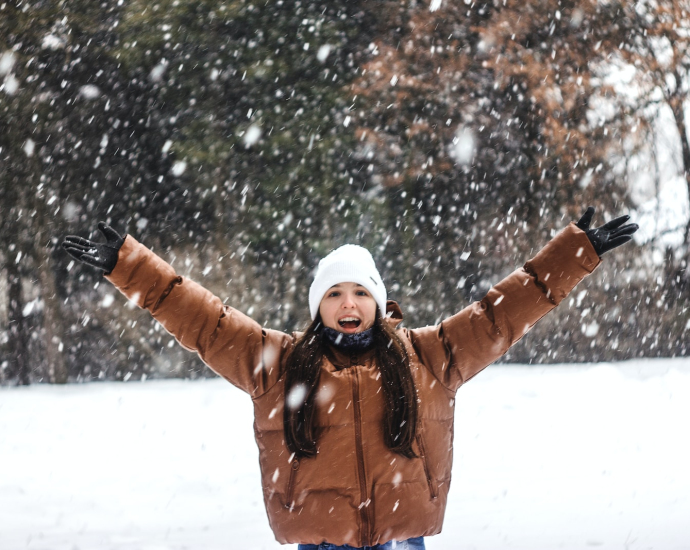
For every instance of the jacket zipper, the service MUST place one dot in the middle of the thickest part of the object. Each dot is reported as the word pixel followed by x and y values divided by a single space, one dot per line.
pixel 429 481
pixel 291 484
pixel 364 505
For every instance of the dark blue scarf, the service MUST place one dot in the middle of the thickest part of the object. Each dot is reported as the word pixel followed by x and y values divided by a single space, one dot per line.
pixel 358 341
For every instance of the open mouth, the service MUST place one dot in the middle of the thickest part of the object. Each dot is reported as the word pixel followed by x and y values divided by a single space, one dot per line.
pixel 349 323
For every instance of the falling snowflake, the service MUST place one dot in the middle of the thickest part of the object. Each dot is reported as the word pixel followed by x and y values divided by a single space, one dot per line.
pixel 463 146
pixel 156 74
pixel 297 395
pixel 252 135
pixel 179 168
pixel 323 53
pixel 30 147
pixel 89 91
pixel 7 60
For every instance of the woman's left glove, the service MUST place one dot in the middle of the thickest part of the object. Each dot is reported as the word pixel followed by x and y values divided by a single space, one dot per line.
pixel 608 236
pixel 100 255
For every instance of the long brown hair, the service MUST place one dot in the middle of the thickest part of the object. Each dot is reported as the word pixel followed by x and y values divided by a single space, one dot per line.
pixel 302 370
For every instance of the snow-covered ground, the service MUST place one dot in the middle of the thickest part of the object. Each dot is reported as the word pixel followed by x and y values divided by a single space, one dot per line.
pixel 546 457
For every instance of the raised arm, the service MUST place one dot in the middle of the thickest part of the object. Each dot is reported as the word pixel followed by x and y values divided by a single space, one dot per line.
pixel 232 344
pixel 464 344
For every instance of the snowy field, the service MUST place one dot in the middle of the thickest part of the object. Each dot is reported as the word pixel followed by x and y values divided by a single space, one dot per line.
pixel 546 457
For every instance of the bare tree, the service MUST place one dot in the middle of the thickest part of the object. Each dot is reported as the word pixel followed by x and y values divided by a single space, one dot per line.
pixel 653 39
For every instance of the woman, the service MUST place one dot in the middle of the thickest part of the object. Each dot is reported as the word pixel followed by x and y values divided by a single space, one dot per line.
pixel 354 417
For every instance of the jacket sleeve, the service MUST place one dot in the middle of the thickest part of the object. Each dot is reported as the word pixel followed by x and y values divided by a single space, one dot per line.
pixel 464 344
pixel 232 344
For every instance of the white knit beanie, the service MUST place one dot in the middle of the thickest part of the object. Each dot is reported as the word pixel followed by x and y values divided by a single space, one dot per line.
pixel 348 264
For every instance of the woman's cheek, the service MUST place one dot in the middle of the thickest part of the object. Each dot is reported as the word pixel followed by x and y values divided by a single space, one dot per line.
pixel 371 314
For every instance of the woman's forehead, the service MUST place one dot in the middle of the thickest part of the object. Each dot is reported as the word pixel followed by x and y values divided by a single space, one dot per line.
pixel 339 285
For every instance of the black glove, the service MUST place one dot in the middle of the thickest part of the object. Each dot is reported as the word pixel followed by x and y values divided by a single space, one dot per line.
pixel 100 255
pixel 608 236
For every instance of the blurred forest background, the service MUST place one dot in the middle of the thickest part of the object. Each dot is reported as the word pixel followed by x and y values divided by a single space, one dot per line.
pixel 242 140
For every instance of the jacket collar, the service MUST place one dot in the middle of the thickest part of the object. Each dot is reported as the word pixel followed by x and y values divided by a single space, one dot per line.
pixel 394 315
pixel 342 359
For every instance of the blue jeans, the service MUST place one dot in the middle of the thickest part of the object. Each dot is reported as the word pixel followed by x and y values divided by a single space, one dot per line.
pixel 409 544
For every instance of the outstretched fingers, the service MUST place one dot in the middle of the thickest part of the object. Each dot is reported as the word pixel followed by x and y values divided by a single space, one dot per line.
pixel 72 251
pixel 88 257
pixel 87 248
pixel 80 251
pixel 625 230
pixel 613 224
pixel 76 253
pixel 75 240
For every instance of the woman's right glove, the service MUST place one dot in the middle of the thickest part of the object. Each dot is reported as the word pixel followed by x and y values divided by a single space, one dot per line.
pixel 100 255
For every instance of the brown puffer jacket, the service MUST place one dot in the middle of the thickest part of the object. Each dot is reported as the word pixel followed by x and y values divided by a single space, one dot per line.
pixel 356 491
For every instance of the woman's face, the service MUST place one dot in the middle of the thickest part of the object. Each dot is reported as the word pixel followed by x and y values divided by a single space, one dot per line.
pixel 348 308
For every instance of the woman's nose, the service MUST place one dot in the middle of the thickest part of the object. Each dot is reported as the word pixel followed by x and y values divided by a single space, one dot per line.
pixel 348 302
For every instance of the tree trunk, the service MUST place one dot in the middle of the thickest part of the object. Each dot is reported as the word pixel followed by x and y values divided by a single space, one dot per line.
pixel 19 338
pixel 52 319
pixel 677 107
